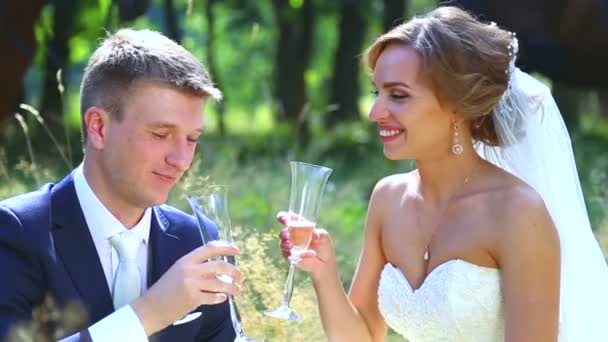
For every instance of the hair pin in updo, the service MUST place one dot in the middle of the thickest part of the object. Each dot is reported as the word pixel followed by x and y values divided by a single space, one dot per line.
pixel 513 49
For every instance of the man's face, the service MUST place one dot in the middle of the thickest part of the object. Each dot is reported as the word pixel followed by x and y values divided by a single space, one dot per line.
pixel 146 153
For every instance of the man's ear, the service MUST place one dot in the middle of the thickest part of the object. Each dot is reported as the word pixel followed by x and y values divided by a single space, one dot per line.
pixel 96 122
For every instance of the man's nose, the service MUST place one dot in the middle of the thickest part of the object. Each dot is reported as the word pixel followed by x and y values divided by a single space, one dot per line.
pixel 181 155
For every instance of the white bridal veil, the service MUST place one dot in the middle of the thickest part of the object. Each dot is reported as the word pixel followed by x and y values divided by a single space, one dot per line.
pixel 536 147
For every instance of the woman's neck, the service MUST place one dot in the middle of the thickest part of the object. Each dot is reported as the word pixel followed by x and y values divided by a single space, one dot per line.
pixel 441 179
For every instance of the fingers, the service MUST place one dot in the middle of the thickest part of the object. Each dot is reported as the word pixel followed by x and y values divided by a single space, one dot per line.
pixel 211 282
pixel 285 244
pixel 211 250
pixel 210 298
pixel 216 285
pixel 309 253
pixel 283 217
pixel 286 247
pixel 284 234
pixel 212 269
pixel 320 232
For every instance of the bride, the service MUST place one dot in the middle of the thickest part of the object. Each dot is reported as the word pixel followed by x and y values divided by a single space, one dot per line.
pixel 488 239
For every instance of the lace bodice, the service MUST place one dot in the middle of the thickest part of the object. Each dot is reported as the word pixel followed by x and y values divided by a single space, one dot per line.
pixel 458 301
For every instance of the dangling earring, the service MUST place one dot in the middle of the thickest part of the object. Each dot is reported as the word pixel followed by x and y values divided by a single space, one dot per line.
pixel 456 147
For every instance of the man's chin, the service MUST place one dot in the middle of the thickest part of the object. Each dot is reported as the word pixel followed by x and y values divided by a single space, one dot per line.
pixel 156 200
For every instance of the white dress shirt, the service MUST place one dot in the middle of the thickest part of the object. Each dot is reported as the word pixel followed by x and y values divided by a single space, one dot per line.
pixel 123 324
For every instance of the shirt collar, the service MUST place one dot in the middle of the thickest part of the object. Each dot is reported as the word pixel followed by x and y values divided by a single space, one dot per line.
pixel 101 222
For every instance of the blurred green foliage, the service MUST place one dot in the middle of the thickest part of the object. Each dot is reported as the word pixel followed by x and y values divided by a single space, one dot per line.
pixel 252 158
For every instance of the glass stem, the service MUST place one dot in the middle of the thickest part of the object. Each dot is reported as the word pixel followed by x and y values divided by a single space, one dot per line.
pixel 288 290
pixel 235 316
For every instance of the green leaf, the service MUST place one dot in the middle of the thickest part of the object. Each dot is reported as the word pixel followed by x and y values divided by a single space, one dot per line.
pixel 80 49
pixel 104 7
pixel 296 3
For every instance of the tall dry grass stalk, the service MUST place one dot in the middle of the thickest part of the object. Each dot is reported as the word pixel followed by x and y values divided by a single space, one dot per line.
pixel 50 323
pixel 30 151
pixel 66 131
pixel 36 114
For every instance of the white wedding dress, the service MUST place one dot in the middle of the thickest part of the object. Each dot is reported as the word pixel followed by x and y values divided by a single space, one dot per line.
pixel 458 301
pixel 461 301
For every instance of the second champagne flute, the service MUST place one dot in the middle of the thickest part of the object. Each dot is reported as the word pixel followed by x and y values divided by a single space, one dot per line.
pixel 307 185
pixel 214 205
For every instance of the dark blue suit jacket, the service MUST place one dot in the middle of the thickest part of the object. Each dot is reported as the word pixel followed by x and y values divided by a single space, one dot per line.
pixel 46 248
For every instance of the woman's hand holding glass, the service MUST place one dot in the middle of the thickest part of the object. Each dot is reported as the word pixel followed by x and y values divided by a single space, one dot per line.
pixel 307 185
pixel 319 259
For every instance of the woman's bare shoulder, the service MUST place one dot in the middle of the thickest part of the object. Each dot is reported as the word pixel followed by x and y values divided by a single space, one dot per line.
pixel 521 213
pixel 395 183
pixel 515 199
pixel 389 191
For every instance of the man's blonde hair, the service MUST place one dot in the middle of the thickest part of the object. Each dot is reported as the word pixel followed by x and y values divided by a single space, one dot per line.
pixel 129 56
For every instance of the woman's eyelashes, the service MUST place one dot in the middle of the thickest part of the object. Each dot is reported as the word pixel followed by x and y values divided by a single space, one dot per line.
pixel 394 95
pixel 397 95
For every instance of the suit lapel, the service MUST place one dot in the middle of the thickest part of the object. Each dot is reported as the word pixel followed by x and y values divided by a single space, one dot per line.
pixel 165 246
pixel 76 250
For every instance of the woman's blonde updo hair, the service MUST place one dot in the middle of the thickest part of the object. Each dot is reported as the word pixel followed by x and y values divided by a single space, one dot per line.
pixel 465 60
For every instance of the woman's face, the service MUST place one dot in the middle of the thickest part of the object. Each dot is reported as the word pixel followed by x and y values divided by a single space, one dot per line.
pixel 412 123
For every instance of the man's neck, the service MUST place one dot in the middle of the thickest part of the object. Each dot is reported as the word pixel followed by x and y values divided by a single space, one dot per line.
pixel 124 211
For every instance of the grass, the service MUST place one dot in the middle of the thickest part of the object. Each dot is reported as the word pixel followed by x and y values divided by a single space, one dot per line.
pixel 256 169
pixel 259 183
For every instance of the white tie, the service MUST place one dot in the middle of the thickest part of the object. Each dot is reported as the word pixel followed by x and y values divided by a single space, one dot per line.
pixel 127 281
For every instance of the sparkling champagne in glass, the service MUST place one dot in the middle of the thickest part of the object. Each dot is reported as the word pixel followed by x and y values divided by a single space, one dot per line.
pixel 307 185
pixel 210 208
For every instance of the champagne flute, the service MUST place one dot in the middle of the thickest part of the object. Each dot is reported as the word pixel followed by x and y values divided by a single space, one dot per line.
pixel 307 184
pixel 214 206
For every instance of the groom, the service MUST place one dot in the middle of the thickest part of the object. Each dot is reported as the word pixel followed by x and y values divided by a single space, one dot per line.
pixel 102 237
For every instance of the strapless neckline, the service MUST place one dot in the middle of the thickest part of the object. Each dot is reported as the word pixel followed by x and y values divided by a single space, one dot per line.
pixel 458 301
pixel 437 269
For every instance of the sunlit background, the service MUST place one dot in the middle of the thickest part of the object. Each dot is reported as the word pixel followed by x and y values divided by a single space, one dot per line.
pixel 295 88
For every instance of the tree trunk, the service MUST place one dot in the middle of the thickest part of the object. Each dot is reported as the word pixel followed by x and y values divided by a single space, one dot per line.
pixel 602 95
pixel 18 44
pixel 393 13
pixel 292 59
pixel 171 21
pixel 212 65
pixel 57 58
pixel 567 99
pixel 345 83
pixel 131 9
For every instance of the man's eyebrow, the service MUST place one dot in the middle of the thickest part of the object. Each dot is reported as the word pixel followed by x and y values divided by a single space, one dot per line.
pixel 162 124
pixel 169 125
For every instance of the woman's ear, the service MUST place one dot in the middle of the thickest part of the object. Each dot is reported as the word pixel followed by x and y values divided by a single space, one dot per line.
pixel 96 121
pixel 457 118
